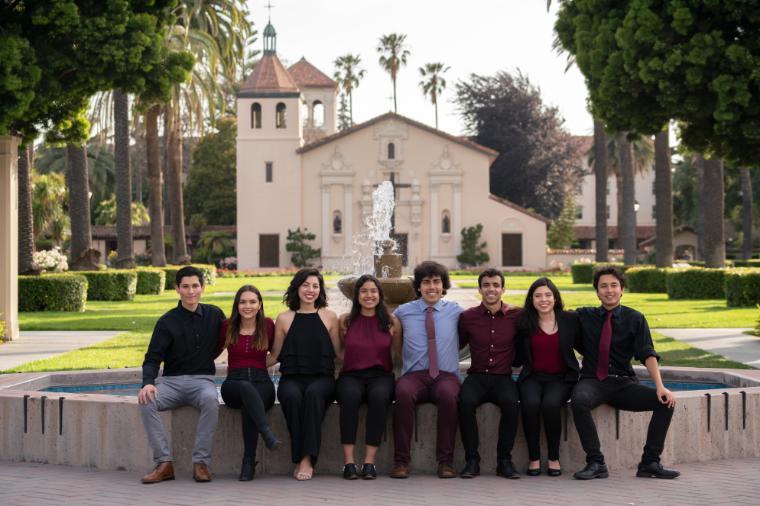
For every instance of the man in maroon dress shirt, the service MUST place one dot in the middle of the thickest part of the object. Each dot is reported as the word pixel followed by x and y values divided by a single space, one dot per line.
pixel 489 329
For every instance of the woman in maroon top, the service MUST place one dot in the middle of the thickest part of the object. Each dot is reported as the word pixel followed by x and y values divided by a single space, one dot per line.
pixel 368 334
pixel 545 340
pixel 248 337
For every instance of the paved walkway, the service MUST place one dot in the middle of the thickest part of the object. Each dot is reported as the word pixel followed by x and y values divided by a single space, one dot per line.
pixel 731 343
pixel 39 344
pixel 718 482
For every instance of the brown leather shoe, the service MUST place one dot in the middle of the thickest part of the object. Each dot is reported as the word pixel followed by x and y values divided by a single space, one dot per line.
pixel 446 471
pixel 162 472
pixel 400 471
pixel 201 473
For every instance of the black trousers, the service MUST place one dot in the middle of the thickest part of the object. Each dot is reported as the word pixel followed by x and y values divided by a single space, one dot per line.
pixel 304 400
pixel 622 393
pixel 251 391
pixel 542 396
pixel 478 389
pixel 373 387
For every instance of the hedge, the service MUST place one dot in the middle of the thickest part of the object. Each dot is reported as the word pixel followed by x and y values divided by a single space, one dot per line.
pixel 747 263
pixel 150 281
pixel 584 273
pixel 111 284
pixel 695 283
pixel 645 279
pixel 742 287
pixel 52 292
pixel 208 270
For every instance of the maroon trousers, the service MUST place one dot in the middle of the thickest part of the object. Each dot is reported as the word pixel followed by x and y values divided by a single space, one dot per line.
pixel 416 388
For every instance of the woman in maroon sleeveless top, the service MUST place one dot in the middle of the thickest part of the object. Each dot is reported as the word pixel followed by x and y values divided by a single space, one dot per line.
pixel 368 334
pixel 248 337
pixel 545 340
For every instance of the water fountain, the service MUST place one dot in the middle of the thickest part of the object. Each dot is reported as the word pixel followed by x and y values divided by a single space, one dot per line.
pixel 387 262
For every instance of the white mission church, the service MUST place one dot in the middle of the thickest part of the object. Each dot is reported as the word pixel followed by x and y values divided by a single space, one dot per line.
pixel 294 169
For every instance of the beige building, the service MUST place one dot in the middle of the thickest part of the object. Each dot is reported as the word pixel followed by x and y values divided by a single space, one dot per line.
pixel 295 170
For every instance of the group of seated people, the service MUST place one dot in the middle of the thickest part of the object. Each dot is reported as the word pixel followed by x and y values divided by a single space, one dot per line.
pixel 426 335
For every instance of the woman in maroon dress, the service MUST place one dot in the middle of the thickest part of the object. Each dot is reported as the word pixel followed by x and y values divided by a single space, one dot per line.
pixel 368 334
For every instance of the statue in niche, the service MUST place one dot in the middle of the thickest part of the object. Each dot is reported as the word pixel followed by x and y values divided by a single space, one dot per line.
pixel 337 224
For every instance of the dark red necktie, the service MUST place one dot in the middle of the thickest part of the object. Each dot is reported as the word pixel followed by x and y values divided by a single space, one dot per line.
pixel 602 365
pixel 432 352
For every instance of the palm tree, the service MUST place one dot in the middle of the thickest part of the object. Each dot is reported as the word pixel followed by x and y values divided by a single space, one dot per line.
pixel 25 221
pixel 712 203
pixel 348 74
pixel 433 83
pixel 126 257
pixel 79 201
pixel 393 56
pixel 49 198
pixel 155 179
pixel 663 196
pixel 600 191
pixel 746 212
pixel 627 211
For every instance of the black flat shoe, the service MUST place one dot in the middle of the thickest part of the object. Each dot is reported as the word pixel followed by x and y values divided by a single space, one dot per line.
pixel 554 472
pixel 471 469
pixel 506 469
pixel 247 470
pixel 533 472
pixel 349 472
pixel 368 471
pixel 655 470
pixel 591 471
pixel 270 440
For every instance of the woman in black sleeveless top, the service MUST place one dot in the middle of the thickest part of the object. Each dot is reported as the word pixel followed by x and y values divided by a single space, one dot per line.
pixel 306 344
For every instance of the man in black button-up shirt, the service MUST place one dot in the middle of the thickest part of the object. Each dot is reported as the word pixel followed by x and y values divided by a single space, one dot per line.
pixel 615 383
pixel 185 340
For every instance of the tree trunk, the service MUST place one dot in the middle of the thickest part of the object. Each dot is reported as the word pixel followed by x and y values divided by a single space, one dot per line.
pixel 712 202
pixel 627 221
pixel 175 191
pixel 746 213
pixel 126 257
pixel 600 181
pixel 79 202
pixel 165 166
pixel 663 197
pixel 395 107
pixel 699 166
pixel 26 263
pixel 155 178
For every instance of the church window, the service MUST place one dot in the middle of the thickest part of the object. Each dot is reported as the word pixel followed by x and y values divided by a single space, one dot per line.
pixel 280 116
pixel 268 175
pixel 337 223
pixel 391 151
pixel 579 212
pixel 446 223
pixel 256 115
pixel 318 113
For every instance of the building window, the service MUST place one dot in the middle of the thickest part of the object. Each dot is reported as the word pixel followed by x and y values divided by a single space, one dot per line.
pixel 256 115
pixel 280 116
pixel 608 211
pixel 268 176
pixel 579 212
pixel 318 113
pixel 391 151
pixel 337 223
pixel 445 223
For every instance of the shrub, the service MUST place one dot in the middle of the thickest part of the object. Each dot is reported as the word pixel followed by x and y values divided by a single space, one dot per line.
pixel 51 260
pixel 2 329
pixel 298 244
pixel 747 263
pixel 473 250
pixel 645 279
pixel 52 292
pixel 150 281
pixel 111 284
pixel 209 274
pixel 695 283
pixel 583 272
pixel 742 287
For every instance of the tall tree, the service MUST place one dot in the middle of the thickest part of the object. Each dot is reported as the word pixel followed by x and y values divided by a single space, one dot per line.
pixel 712 201
pixel 49 207
pixel 663 196
pixel 746 185
pixel 601 177
pixel 539 162
pixel 433 83
pixel 125 257
pixel 348 74
pixel 393 55
pixel 155 182
pixel 699 165
pixel 627 216
pixel 25 221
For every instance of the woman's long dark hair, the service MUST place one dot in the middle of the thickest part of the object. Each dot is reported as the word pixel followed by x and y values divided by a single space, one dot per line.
pixel 291 294
pixel 261 341
pixel 381 310
pixel 527 321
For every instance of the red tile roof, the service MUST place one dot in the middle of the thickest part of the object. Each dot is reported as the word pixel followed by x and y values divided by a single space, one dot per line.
pixel 307 75
pixel 269 75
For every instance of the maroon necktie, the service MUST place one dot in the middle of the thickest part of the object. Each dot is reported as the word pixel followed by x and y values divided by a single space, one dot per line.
pixel 602 365
pixel 432 352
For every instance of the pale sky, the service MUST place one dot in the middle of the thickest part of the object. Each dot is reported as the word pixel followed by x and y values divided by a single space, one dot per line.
pixel 474 36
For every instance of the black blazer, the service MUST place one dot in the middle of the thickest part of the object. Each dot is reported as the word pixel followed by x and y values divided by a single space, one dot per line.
pixel 569 338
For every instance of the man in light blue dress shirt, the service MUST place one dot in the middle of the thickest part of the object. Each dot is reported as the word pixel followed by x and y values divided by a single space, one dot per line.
pixel 428 377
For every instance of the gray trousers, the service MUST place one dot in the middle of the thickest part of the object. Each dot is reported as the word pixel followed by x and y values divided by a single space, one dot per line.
pixel 198 391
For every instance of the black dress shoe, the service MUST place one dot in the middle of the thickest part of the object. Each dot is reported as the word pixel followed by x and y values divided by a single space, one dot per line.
pixel 368 471
pixel 554 472
pixel 591 471
pixel 506 469
pixel 655 470
pixel 471 469
pixel 349 472
pixel 247 470
pixel 533 472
